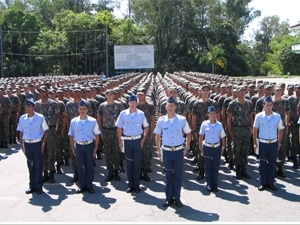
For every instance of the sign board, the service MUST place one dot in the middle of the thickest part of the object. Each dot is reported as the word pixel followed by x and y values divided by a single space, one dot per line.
pixel 134 56
pixel 296 48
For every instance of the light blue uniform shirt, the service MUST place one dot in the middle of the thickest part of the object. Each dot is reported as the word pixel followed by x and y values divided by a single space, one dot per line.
pixel 212 132
pixel 84 130
pixel 172 132
pixel 32 127
pixel 268 125
pixel 132 122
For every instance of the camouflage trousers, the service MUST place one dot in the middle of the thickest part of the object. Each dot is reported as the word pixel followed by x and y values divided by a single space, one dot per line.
pixel 294 137
pixel 13 126
pixel 60 147
pixel 147 153
pixel 111 149
pixel 229 146
pixel 50 151
pixel 4 128
pixel 199 157
pixel 100 146
pixel 241 145
pixel 282 150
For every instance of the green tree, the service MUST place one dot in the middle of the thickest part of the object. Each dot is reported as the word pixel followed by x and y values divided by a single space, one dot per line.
pixel 214 56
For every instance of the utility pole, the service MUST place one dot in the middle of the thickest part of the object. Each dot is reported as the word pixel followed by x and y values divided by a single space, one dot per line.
pixel 106 47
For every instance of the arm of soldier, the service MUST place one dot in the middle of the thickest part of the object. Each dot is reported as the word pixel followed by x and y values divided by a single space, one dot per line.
pixel 0 109
pixel 153 121
pixel 251 122
pixel 58 116
pixel 223 142
pixel 219 117
pixel 158 144
pixel 280 133
pixel 66 123
pixel 72 145
pixel 224 119
pixel 200 141
pixel 229 128
pixel 254 136
pixel 18 110
pixel 45 136
pixel 21 141
pixel 188 139
pixel 120 132
pixel 97 138
pixel 99 121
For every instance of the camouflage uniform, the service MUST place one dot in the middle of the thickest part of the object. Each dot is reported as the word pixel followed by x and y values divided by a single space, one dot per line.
pixel 49 111
pixel 109 114
pixel 282 107
pixel 149 111
pixel 60 138
pixel 294 128
pixel 13 120
pixel 100 99
pixel 199 110
pixel 6 105
pixel 22 98
pixel 241 132
pixel 180 110
pixel 229 149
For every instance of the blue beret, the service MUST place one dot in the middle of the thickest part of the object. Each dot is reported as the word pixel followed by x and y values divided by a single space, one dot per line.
pixel 171 100
pixel 132 97
pixel 29 101
pixel 211 109
pixel 268 99
pixel 83 103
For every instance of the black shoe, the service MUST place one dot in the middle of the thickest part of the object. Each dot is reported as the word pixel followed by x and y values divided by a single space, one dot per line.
pixel 280 173
pixel 168 203
pixel 146 177
pixel 201 175
pixel 121 169
pixel 137 190
pixel 80 190
pixel 110 176
pixel 30 190
pixel 58 169
pixel 215 189
pixel 262 187
pixel 197 169
pixel 39 192
pixel 66 161
pixel 149 170
pixel 178 203
pixel 116 176
pixel 208 188
pixel 130 189
pixel 91 190
pixel 273 188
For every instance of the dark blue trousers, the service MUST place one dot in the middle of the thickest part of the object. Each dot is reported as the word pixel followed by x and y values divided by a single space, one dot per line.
pixel 133 155
pixel 212 157
pixel 173 163
pixel 267 162
pixel 85 166
pixel 35 164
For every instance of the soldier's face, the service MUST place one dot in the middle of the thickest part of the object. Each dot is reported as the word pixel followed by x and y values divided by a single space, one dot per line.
pixel 268 106
pixel 212 115
pixel 171 107
pixel 82 110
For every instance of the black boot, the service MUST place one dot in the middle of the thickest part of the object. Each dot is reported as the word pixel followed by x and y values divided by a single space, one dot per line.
pixel 238 172
pixel 58 169
pixel 46 176
pixel 121 167
pixel 295 162
pixel 51 176
pixel 201 174
pixel 110 176
pixel 75 177
pixel 230 166
pixel 279 172
pixel 145 176
pixel 117 177
pixel 244 173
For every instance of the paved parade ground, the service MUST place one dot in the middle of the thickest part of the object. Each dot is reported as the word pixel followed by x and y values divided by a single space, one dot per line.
pixel 237 201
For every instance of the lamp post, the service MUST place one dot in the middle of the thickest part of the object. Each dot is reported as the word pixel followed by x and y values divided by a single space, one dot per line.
pixel 1 52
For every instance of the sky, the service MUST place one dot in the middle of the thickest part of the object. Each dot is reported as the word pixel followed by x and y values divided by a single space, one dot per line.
pixel 285 9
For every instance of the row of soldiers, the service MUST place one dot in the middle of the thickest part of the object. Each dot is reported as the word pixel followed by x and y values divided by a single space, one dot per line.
pixel 237 101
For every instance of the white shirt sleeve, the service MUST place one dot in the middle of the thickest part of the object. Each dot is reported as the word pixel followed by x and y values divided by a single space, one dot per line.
pixel 280 125
pixel 187 128
pixel 45 125
pixel 145 122
pixel 96 129
pixel 222 134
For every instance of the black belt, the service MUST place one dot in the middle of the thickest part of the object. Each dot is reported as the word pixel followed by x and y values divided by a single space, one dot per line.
pixel 107 128
pixel 172 146
pixel 241 126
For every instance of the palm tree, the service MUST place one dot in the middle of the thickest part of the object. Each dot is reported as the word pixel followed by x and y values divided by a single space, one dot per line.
pixel 214 56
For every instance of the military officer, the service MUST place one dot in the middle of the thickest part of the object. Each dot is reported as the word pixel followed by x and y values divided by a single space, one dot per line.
pixel 133 129
pixel 210 134
pixel 270 127
pixel 84 139
pixel 171 149
pixel 33 136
